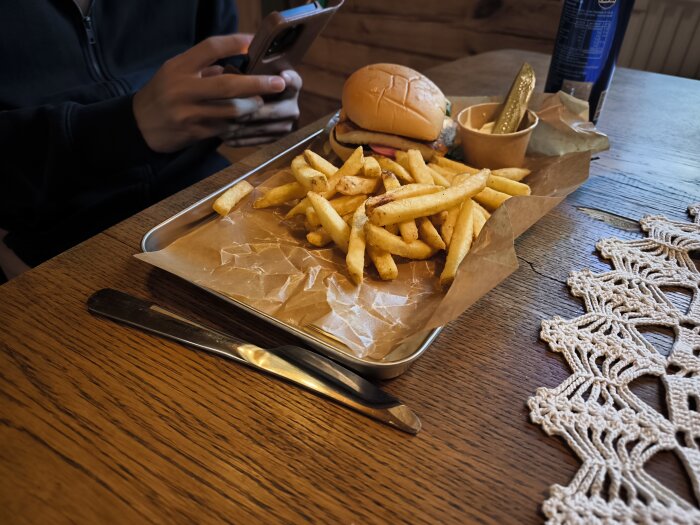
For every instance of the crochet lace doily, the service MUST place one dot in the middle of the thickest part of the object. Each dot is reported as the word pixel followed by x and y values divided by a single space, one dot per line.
pixel 613 431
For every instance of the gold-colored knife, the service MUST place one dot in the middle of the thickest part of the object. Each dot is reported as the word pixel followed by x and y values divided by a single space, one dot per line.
pixel 294 364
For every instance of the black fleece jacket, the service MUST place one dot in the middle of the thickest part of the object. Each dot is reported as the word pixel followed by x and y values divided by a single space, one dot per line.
pixel 72 160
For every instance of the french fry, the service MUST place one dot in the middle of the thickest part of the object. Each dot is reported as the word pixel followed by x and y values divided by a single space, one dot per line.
pixel 461 178
pixel 429 234
pixel 413 207
pixel 319 163
pixel 447 174
pixel 383 262
pixel 483 210
pixel 491 199
pixel 479 219
pixel 454 166
pixel 460 245
pixel 384 240
pixel 353 165
pixel 423 208
pixel 508 186
pixel 319 238
pixel 311 179
pixel 355 259
pixel 280 194
pixel 402 192
pixel 232 196
pixel 448 226
pixel 402 158
pixel 439 218
pixel 347 203
pixel 418 169
pixel 516 174
pixel 371 168
pixel 350 168
pixel 408 230
pixel 331 221
pixel 299 209
pixel 390 181
pixel 353 185
pixel 438 178
pixel 312 217
pixel 343 205
pixel 397 169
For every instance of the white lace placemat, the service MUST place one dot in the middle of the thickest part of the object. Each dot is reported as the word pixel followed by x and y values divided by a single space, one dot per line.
pixel 613 431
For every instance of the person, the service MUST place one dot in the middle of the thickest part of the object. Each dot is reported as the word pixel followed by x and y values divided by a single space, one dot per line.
pixel 107 106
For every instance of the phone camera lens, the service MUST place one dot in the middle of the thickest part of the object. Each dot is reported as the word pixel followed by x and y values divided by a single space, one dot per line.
pixel 284 41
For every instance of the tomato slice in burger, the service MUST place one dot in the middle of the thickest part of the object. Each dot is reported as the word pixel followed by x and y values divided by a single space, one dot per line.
pixel 383 150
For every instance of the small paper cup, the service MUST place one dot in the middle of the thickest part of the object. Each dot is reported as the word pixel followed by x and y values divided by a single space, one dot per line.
pixel 484 150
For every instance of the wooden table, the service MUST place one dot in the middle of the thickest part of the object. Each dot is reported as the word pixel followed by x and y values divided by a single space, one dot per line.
pixel 101 423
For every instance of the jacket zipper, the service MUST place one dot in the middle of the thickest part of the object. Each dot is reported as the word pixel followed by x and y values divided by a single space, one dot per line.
pixel 100 74
pixel 92 42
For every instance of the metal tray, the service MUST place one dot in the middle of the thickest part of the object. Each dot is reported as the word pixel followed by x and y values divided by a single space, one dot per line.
pixel 394 364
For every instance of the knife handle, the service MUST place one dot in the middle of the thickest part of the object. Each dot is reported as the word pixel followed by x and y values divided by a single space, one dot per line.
pixel 297 365
pixel 152 318
pixel 155 319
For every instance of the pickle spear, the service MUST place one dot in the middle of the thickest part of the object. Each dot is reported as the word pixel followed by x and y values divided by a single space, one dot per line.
pixel 515 105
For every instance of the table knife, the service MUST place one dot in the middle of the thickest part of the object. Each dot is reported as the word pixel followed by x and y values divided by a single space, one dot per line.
pixel 294 364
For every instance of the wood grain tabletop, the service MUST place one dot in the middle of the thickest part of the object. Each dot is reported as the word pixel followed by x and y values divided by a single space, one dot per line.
pixel 100 423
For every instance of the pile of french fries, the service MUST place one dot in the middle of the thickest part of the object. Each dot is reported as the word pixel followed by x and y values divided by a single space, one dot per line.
pixel 375 208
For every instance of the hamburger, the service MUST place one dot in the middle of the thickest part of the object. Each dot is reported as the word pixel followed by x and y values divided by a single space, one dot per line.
pixel 388 107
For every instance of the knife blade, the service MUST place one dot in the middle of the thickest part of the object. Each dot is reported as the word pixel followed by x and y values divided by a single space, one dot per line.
pixel 294 364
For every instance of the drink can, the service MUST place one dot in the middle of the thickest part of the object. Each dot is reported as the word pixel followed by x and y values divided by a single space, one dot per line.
pixel 588 41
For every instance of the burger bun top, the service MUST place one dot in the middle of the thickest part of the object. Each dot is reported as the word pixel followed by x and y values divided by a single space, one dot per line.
pixel 394 99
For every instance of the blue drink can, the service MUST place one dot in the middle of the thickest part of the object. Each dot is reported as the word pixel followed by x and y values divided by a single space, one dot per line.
pixel 586 47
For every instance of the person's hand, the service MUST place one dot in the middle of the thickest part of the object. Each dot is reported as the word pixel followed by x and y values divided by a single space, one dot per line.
pixel 189 99
pixel 271 120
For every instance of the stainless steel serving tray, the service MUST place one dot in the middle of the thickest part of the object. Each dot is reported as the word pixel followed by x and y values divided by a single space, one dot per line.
pixel 394 364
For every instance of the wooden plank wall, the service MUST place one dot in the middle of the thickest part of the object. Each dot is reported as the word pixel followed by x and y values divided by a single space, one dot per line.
pixel 663 36
pixel 415 33
pixel 423 34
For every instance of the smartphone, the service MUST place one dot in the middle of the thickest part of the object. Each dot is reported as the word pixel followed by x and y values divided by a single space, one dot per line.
pixel 285 36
